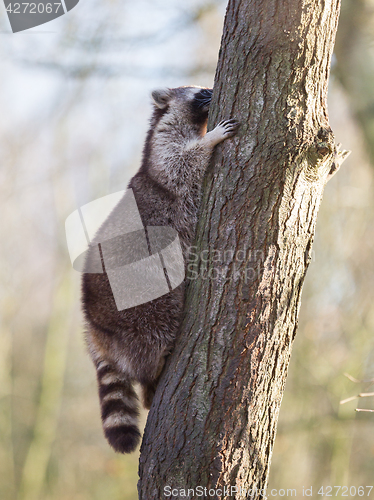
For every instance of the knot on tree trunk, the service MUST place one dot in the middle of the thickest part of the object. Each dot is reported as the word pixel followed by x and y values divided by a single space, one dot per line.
pixel 325 142
pixel 324 156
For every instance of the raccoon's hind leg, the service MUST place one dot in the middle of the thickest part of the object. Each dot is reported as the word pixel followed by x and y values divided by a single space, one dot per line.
pixel 149 388
pixel 119 408
pixel 148 392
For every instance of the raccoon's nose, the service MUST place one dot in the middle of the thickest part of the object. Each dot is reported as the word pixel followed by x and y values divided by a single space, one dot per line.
pixel 203 98
pixel 207 93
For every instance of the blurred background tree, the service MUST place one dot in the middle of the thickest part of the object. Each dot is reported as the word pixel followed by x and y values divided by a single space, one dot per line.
pixel 75 104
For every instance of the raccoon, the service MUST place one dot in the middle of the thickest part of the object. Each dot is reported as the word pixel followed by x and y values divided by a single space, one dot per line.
pixel 130 345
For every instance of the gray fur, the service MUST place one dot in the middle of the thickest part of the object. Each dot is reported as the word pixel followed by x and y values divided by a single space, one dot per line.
pixel 131 345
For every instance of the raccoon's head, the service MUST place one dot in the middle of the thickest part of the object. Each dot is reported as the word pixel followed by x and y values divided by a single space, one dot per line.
pixel 183 107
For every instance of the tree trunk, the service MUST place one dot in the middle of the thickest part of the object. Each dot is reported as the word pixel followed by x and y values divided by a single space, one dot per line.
pixel 214 417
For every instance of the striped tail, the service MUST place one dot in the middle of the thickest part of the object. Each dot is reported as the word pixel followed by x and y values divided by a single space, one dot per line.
pixel 119 408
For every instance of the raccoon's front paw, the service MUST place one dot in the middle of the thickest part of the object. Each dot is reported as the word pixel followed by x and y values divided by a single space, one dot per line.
pixel 228 128
pixel 224 130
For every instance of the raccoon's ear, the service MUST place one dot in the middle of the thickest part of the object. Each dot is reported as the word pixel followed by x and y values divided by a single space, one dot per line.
pixel 161 97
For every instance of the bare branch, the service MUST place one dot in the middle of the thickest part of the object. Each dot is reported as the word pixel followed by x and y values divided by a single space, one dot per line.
pixel 340 156
pixel 356 381
pixel 361 395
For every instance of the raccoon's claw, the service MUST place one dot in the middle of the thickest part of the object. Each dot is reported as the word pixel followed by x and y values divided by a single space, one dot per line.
pixel 224 130
pixel 229 127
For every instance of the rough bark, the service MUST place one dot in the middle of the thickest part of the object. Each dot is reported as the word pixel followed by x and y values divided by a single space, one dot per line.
pixel 214 417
